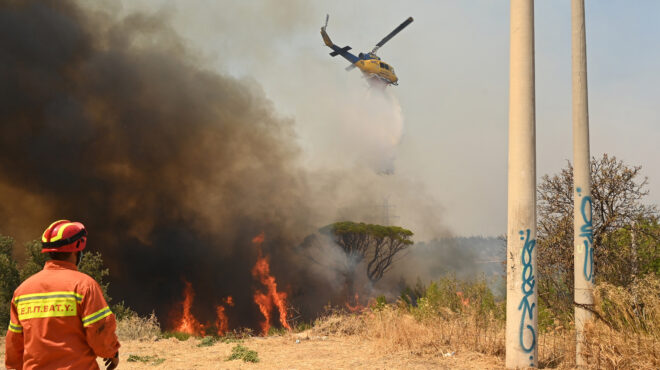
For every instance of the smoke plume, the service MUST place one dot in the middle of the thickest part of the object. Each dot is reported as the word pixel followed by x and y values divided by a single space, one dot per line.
pixel 173 168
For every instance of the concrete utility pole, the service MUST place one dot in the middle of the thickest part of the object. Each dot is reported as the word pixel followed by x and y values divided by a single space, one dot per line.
pixel 582 228
pixel 521 293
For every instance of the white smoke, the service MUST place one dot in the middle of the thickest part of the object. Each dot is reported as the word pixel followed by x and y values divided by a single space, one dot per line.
pixel 366 126
pixel 371 126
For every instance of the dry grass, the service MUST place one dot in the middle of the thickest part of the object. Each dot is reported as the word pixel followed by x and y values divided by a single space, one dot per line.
pixel 635 308
pixel 606 348
pixel 556 348
pixel 396 330
pixel 135 327
pixel 439 323
pixel 626 335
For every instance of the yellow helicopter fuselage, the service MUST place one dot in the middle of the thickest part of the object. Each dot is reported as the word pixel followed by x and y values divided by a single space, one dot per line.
pixel 377 68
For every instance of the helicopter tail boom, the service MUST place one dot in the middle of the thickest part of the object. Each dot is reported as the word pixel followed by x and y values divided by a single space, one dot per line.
pixel 336 50
pixel 326 38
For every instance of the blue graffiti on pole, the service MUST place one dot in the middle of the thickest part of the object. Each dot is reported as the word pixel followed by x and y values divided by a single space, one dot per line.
pixel 586 232
pixel 528 283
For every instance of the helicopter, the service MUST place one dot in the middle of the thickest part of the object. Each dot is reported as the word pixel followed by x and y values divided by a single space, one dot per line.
pixel 373 68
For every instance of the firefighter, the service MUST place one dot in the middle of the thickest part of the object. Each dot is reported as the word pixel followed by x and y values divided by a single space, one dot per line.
pixel 59 318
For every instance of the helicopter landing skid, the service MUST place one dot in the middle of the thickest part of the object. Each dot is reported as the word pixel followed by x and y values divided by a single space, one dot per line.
pixel 378 81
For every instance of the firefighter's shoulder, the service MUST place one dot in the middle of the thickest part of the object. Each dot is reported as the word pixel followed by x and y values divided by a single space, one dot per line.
pixel 86 281
pixel 32 284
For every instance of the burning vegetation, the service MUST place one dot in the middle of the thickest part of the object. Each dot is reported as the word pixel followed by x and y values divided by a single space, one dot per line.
pixel 188 324
pixel 272 297
pixel 269 303
pixel 356 307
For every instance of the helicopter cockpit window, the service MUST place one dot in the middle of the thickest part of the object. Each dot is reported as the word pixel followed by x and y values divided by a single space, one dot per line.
pixel 383 65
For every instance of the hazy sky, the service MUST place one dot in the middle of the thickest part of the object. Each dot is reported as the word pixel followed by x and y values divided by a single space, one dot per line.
pixel 453 65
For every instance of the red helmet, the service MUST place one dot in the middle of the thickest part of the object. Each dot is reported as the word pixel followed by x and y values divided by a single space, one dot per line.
pixel 64 236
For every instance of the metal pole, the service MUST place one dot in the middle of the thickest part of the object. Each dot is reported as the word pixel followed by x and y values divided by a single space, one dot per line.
pixel 582 203
pixel 521 299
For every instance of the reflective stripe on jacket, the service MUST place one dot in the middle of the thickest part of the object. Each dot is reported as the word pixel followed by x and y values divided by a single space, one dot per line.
pixel 59 319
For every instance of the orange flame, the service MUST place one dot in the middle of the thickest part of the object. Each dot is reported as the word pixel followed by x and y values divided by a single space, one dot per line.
pixel 272 297
pixel 187 323
pixel 265 306
pixel 357 307
pixel 259 239
pixel 464 301
pixel 266 301
pixel 222 322
pixel 229 301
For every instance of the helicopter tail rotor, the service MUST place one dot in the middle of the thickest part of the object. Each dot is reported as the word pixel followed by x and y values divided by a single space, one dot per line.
pixel 326 38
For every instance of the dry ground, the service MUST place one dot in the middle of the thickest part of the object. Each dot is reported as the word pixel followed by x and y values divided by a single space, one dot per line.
pixel 282 352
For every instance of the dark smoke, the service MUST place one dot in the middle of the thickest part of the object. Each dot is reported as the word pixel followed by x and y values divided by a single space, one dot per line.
pixel 173 168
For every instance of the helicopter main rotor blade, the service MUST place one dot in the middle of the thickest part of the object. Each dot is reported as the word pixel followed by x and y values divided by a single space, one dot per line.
pixel 392 34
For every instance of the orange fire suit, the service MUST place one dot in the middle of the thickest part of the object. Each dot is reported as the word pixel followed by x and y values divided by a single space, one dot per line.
pixel 59 320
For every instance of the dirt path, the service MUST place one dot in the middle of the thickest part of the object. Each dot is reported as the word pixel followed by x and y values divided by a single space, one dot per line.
pixel 311 352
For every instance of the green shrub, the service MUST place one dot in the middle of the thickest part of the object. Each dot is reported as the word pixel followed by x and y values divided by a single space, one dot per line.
pixel 176 334
pixel 9 279
pixel 449 296
pixel 547 320
pixel 235 337
pixel 380 304
pixel 122 311
pixel 92 265
pixel 155 360
pixel 208 341
pixel 276 331
pixel 302 326
pixel 34 261
pixel 240 352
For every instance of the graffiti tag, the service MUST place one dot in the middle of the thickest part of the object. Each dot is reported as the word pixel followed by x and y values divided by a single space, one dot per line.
pixel 528 283
pixel 586 232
